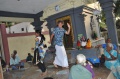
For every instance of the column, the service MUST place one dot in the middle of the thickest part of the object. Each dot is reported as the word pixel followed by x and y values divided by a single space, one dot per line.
pixel 108 8
pixel 5 43
pixel 37 23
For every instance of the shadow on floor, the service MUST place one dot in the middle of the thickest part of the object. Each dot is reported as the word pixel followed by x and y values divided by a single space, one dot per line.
pixel 32 72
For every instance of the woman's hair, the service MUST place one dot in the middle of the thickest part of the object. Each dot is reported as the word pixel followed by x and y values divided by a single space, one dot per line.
pixel 81 59
pixel 110 45
pixel 38 31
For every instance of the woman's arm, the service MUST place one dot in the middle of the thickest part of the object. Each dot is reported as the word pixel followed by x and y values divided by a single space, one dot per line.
pixel 36 39
pixel 110 59
pixel 113 57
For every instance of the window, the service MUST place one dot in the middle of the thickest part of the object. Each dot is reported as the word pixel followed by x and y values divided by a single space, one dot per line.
pixel 22 29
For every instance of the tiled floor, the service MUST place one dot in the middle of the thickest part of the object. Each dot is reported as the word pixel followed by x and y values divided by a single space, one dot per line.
pixel 32 72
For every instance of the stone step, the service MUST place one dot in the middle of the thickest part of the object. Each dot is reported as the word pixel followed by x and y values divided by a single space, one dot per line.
pixel 71 54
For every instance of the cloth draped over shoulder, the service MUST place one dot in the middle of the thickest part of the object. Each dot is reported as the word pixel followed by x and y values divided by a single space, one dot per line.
pixel 114 63
pixel 79 72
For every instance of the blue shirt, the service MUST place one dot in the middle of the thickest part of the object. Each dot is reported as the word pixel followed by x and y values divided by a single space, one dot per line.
pixel 105 45
pixel 14 61
pixel 58 36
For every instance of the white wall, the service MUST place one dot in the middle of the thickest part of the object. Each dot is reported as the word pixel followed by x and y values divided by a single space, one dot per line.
pixel 26 25
pixel 18 28
pixel 88 27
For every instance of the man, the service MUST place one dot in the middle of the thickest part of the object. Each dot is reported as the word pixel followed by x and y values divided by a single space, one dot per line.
pixel 105 45
pixel 15 62
pixel 58 33
pixel 29 58
pixel 108 40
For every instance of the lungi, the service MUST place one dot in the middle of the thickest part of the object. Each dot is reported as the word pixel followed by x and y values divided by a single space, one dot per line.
pixel 61 56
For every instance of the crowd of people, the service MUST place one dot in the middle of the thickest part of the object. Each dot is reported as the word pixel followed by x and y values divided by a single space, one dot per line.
pixel 82 69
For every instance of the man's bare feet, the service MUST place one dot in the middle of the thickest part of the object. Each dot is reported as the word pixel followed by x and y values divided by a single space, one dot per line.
pixel 44 73
pixel 55 65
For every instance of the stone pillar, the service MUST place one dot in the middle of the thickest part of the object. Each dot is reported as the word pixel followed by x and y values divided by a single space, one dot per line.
pixel 5 43
pixel 37 23
pixel 108 8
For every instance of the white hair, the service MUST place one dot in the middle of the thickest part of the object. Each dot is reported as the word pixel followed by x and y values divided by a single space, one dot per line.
pixel 110 45
pixel 81 59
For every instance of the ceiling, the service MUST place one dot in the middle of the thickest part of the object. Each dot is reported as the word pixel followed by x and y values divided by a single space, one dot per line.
pixel 25 6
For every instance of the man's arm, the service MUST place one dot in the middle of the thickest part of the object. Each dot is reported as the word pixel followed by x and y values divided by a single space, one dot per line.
pixel 67 32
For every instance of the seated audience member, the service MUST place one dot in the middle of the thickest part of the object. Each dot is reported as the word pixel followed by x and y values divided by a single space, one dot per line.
pixel 81 70
pixel 15 62
pixel 15 52
pixel 105 45
pixel 111 61
pixel 3 63
pixel 29 58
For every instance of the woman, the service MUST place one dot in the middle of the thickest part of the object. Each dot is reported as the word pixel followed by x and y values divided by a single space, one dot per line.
pixel 38 47
pixel 37 52
pixel 111 61
pixel 81 70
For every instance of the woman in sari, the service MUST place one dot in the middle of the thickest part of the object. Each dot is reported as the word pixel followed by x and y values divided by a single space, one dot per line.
pixel 111 61
pixel 81 70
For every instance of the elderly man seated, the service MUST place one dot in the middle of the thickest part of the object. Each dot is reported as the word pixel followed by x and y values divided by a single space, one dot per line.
pixel 15 62
pixel 111 60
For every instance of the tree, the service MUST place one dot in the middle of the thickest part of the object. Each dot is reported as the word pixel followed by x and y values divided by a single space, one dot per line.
pixel 117 8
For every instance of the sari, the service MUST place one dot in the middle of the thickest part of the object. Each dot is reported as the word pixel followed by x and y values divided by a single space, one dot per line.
pixel 113 65
pixel 79 72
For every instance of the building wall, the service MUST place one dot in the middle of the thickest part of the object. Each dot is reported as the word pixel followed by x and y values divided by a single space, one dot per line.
pixel 27 28
pixel 88 26
pixel 18 28
pixel 80 17
pixel 23 44
pixel 64 5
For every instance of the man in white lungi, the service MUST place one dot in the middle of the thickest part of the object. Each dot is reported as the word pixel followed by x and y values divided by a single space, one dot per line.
pixel 61 56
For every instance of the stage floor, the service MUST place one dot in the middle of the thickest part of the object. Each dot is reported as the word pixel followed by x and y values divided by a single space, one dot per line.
pixel 32 72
